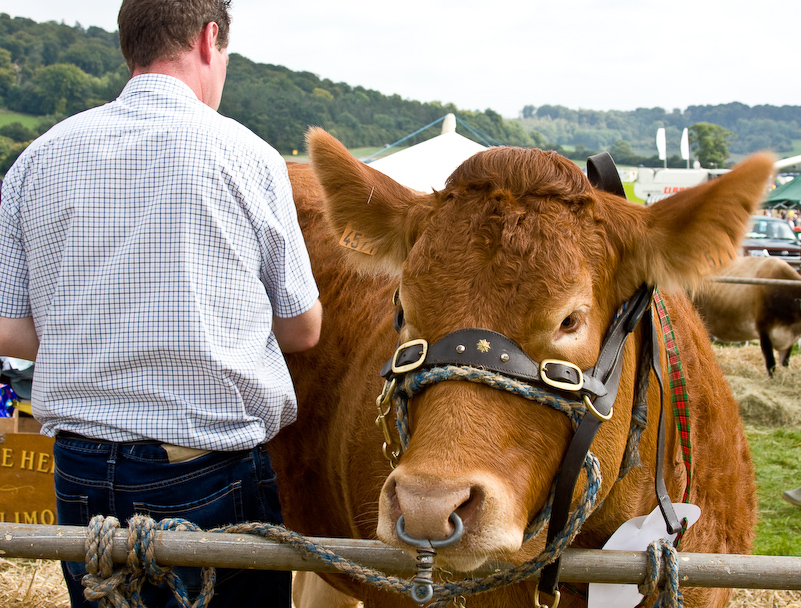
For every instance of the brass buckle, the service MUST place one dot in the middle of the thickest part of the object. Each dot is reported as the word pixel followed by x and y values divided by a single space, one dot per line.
pixel 557 596
pixel 564 386
pixel 591 409
pixel 402 369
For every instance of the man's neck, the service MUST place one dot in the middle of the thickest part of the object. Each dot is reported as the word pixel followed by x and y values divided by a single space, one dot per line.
pixel 182 69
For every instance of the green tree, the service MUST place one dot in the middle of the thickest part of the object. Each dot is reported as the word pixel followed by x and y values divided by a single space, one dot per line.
pixel 710 142
pixel 61 87
pixel 8 75
pixel 623 154
pixel 17 132
pixel 93 57
pixel 11 156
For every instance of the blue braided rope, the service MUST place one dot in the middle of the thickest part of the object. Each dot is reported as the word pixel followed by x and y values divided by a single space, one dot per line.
pixel 631 457
pixel 416 382
pixel 544 516
pixel 121 587
pixel 662 558
pixel 111 587
pixel 401 399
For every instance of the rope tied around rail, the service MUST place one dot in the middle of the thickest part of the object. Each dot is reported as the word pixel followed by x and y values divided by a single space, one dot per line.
pixel 662 559
pixel 121 588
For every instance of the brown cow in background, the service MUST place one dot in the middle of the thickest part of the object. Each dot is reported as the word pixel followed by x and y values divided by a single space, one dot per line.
pixel 768 313
pixel 519 243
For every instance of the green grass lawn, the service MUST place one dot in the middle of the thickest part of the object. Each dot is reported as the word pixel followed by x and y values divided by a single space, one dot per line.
pixel 303 157
pixel 628 188
pixel 777 456
pixel 6 118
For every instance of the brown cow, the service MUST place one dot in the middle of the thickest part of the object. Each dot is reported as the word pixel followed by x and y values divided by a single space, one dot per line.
pixel 768 313
pixel 520 243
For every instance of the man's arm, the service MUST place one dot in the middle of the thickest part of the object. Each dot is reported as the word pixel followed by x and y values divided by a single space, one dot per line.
pixel 18 338
pixel 295 334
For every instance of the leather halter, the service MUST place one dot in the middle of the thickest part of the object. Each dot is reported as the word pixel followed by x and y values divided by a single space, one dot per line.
pixel 596 387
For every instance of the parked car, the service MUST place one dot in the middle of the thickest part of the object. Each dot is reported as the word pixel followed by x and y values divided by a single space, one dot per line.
pixel 772 236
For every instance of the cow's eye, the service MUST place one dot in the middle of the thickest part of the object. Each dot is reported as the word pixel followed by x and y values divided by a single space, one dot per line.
pixel 569 322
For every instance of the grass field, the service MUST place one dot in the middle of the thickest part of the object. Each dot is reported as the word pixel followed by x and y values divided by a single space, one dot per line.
pixel 771 410
pixel 628 188
pixel 357 152
pixel 777 456
pixel 31 122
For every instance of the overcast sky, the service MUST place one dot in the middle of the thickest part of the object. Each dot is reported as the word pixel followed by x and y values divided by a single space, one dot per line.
pixel 506 54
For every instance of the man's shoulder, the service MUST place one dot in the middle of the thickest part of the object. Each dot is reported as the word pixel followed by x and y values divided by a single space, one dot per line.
pixel 238 138
pixel 235 129
pixel 77 123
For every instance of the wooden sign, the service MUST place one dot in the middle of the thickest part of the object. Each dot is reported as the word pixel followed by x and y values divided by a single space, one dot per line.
pixel 26 473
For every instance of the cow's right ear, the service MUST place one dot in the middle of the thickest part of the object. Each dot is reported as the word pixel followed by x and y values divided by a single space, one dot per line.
pixel 676 242
pixel 369 213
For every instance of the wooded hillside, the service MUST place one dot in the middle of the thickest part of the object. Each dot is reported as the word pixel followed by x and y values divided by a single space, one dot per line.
pixel 50 70
pixel 755 128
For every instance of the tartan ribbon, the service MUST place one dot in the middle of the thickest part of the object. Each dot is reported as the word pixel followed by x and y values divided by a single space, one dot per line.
pixel 678 390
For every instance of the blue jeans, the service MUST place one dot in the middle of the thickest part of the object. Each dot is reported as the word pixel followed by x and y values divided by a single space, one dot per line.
pixel 215 489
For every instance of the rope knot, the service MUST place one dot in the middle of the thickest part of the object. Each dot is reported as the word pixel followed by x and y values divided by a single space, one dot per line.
pixel 121 587
pixel 103 583
pixel 662 560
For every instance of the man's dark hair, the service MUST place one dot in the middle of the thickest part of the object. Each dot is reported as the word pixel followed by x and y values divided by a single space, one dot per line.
pixel 163 29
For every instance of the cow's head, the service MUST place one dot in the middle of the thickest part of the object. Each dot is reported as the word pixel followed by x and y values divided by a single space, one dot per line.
pixel 518 242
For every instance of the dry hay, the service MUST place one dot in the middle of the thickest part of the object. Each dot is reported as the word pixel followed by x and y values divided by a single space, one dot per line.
pixel 32 584
pixel 764 598
pixel 763 401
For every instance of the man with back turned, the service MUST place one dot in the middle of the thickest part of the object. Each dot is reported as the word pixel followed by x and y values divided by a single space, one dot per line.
pixel 154 269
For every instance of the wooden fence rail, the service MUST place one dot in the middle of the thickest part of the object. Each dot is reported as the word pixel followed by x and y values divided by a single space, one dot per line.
pixel 755 281
pixel 248 551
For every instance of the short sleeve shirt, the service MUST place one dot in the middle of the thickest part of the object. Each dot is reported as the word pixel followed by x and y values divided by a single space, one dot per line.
pixel 152 240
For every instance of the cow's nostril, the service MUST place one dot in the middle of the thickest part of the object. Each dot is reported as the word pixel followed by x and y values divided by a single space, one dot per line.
pixel 469 508
pixel 394 503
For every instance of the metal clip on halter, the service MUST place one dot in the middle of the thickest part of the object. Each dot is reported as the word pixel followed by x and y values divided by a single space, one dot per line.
pixel 423 582
pixel 392 450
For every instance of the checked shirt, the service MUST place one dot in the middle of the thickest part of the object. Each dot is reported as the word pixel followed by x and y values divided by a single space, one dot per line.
pixel 152 240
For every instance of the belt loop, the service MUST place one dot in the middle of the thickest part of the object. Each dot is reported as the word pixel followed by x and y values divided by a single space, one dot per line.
pixel 113 454
pixel 111 473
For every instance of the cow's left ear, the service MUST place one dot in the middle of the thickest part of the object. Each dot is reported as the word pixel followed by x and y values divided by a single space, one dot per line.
pixel 370 214
pixel 676 242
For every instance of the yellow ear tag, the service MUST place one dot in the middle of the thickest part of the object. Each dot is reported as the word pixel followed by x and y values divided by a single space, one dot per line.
pixel 357 241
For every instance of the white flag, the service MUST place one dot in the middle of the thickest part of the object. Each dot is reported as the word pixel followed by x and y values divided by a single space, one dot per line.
pixel 685 144
pixel 661 146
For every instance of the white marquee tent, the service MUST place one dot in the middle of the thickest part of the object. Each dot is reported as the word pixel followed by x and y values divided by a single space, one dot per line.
pixel 427 165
